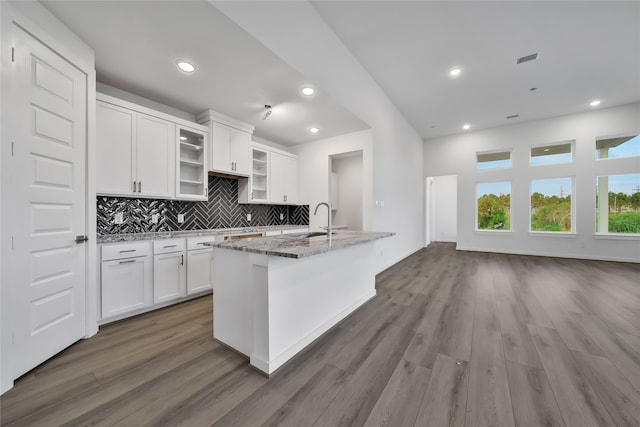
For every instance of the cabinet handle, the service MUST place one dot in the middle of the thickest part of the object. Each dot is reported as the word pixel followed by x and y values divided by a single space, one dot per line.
pixel 127 262
pixel 182 259
pixel 134 186
pixel 252 195
pixel 170 246
pixel 139 186
pixel 128 250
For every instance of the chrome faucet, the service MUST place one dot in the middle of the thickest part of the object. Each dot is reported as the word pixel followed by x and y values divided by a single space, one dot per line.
pixel 328 216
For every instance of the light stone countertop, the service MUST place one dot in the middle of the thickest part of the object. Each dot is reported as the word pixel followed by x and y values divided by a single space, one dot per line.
pixel 133 237
pixel 299 245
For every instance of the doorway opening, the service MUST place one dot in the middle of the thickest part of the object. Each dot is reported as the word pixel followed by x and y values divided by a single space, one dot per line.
pixel 441 209
pixel 345 190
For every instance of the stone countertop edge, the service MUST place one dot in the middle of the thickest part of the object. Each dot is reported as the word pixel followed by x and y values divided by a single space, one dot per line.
pixel 297 246
pixel 134 237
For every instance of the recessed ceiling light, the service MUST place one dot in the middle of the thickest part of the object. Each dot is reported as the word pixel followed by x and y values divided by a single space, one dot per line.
pixel 546 150
pixel 308 91
pixel 455 72
pixel 466 126
pixel 595 103
pixel 314 130
pixel 183 138
pixel 185 66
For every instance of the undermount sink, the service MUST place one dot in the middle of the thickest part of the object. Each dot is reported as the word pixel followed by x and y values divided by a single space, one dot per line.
pixel 316 234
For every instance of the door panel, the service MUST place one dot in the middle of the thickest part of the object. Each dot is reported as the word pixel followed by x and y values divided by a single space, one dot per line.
pixel 169 277
pixel 199 270
pixel 115 131
pixel 48 202
pixel 155 156
pixel 125 285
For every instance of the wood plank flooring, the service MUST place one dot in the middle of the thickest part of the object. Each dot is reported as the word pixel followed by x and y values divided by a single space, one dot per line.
pixel 452 339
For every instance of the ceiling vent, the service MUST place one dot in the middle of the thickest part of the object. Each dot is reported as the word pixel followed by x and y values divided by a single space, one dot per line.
pixel 514 116
pixel 527 58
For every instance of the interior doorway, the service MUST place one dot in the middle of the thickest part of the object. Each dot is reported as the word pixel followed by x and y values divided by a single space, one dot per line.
pixel 442 209
pixel 345 190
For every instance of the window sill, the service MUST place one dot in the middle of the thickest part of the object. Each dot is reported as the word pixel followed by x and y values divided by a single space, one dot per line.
pixel 495 232
pixel 563 234
pixel 616 236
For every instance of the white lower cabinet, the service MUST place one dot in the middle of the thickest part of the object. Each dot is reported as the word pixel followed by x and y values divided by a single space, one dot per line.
pixel 199 270
pixel 126 278
pixel 169 270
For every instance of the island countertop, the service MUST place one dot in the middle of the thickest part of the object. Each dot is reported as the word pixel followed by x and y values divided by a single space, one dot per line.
pixel 301 245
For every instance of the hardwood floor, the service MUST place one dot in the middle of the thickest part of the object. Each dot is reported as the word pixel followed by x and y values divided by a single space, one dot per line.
pixel 453 338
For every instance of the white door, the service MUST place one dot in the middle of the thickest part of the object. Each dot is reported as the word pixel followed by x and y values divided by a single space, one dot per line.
pixel 155 156
pixel 199 270
pixel 125 285
pixel 444 209
pixel 115 133
pixel 49 170
pixel 169 277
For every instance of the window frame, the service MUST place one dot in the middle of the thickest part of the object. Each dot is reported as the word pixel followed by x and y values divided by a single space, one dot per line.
pixel 501 150
pixel 570 142
pixel 620 135
pixel 492 231
pixel 608 234
pixel 572 231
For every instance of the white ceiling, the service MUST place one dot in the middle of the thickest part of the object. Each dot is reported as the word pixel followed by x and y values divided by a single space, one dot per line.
pixel 137 44
pixel 587 50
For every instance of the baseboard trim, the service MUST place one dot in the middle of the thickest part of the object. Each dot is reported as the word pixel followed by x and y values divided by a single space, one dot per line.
pixel 548 255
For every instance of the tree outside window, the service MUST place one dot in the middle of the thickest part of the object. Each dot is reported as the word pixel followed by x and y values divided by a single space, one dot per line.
pixel 551 205
pixel 494 206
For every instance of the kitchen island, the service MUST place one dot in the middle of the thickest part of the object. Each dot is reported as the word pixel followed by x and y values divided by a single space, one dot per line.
pixel 274 295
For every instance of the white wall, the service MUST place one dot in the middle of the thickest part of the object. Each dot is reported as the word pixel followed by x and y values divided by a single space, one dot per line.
pixel 444 190
pixel 296 32
pixel 456 155
pixel 349 172
pixel 314 169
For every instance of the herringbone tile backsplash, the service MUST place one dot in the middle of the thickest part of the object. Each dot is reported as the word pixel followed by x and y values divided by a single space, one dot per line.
pixel 220 211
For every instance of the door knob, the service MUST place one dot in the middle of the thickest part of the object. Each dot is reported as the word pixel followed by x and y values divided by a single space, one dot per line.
pixel 81 239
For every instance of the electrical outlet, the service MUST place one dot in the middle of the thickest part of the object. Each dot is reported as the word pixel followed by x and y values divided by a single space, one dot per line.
pixel 249 217
pixel 180 218
pixel 281 216
pixel 118 218
pixel 155 218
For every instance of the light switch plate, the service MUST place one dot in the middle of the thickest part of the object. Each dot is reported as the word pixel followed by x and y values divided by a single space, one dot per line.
pixel 180 218
pixel 249 217
pixel 281 216
pixel 118 218
pixel 155 218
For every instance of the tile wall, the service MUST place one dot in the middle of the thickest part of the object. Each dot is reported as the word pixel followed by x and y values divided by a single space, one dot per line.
pixel 220 211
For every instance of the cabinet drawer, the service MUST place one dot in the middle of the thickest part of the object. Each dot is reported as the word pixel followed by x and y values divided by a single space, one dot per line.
pixel 164 246
pixel 197 242
pixel 125 250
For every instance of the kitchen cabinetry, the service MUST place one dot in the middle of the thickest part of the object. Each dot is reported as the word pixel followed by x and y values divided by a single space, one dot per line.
pixel 191 178
pixel 137 153
pixel 126 278
pixel 274 177
pixel 229 144
pixel 169 270
pixel 199 265
pixel 284 179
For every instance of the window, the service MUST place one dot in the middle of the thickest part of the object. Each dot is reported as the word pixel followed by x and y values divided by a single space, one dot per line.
pixel 551 154
pixel 624 146
pixel 551 205
pixel 493 206
pixel 493 160
pixel 618 204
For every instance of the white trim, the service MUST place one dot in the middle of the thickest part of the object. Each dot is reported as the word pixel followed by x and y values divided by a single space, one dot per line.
pixel 616 236
pixel 494 232
pixel 547 255
pixel 565 234
pixel 571 142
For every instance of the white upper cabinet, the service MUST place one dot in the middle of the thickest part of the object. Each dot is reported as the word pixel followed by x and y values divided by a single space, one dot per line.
pixel 274 177
pixel 115 134
pixel 229 144
pixel 154 157
pixel 191 176
pixel 284 179
pixel 138 154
